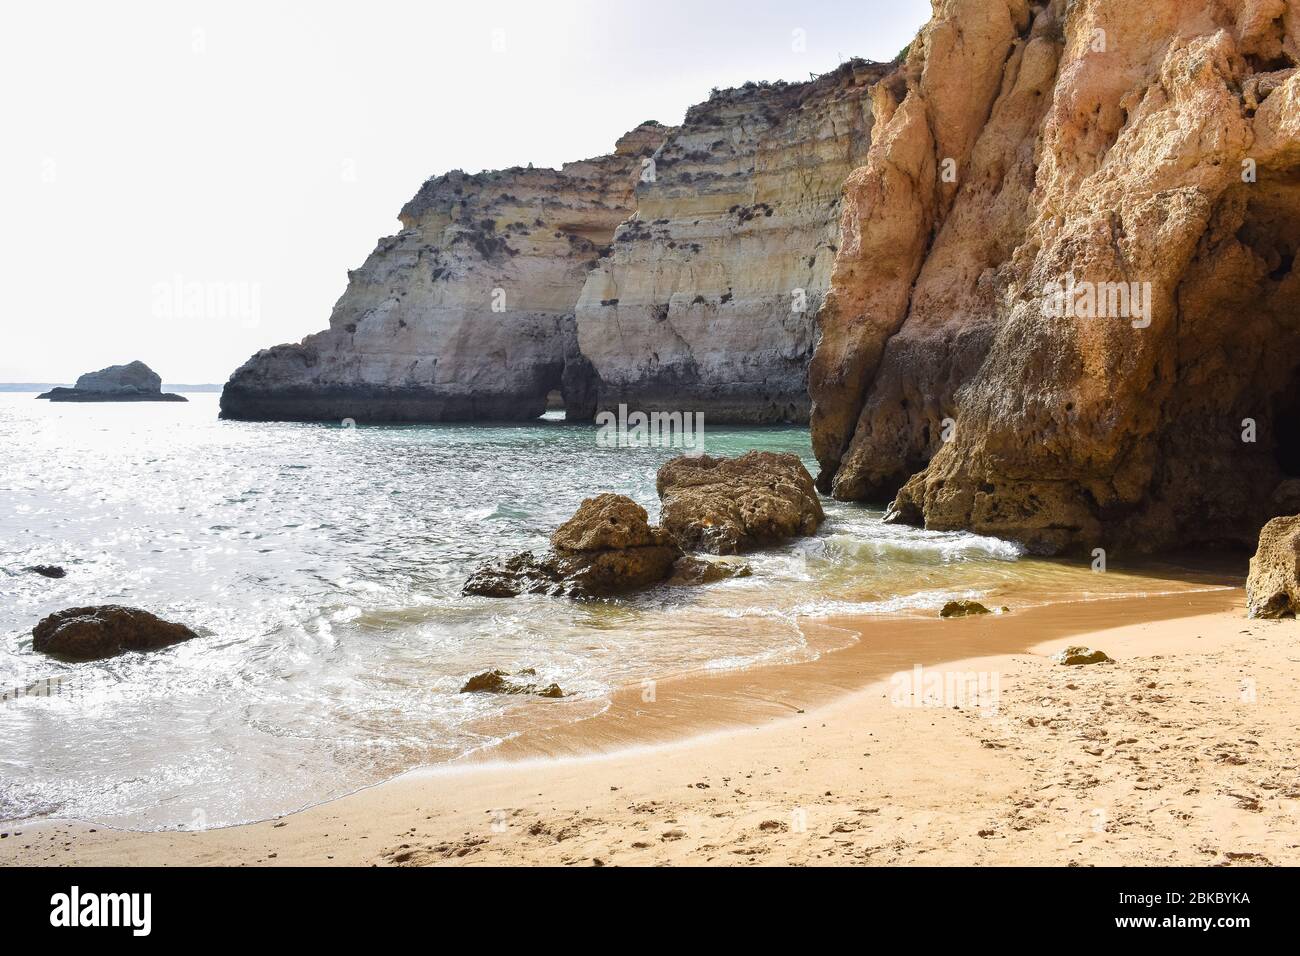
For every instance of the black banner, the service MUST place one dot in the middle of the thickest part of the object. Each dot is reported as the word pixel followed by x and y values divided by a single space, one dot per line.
pixel 263 905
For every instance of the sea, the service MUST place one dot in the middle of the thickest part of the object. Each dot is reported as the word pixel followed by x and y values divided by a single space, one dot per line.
pixel 322 566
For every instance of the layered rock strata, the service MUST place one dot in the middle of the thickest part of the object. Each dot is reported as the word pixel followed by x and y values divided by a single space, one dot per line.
pixel 505 288
pixel 468 312
pixel 706 302
pixel 1065 297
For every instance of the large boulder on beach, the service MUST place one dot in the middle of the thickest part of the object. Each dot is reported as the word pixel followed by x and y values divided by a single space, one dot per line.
pixel 90 633
pixel 607 548
pixel 727 505
pixel 1077 655
pixel 133 382
pixel 1273 585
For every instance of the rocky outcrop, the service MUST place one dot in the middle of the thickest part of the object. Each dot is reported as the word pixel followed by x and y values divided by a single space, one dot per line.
pixel 607 548
pixel 497 681
pixel 1065 292
pixel 1273 585
pixel 692 571
pixel 468 312
pixel 728 505
pixel 503 288
pixel 47 570
pixel 706 303
pixel 133 382
pixel 963 609
pixel 91 633
pixel 1077 656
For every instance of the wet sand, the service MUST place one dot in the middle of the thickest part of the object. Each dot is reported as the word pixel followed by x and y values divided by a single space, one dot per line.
pixel 1182 751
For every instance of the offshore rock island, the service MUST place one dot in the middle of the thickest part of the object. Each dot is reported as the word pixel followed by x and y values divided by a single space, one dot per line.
pixel 133 382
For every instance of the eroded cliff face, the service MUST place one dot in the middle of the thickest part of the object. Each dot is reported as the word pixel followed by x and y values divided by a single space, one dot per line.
pixel 706 303
pixel 1150 155
pixel 503 287
pixel 468 312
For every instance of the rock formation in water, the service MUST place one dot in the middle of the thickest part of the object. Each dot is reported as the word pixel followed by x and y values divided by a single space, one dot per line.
pixel 47 570
pixel 963 609
pixel 1065 305
pixel 503 288
pixel 133 382
pixel 497 681
pixel 706 303
pixel 468 312
pixel 90 633
pixel 692 571
pixel 608 547
pixel 728 505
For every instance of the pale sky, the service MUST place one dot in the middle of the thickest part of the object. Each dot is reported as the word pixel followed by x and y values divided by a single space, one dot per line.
pixel 253 152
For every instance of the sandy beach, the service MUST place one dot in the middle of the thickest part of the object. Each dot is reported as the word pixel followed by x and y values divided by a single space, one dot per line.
pixel 1181 751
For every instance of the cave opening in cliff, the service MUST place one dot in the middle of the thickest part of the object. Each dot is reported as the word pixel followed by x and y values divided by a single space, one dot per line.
pixel 1286 427
pixel 1266 298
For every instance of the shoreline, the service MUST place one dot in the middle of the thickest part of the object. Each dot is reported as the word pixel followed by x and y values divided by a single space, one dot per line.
pixel 587 790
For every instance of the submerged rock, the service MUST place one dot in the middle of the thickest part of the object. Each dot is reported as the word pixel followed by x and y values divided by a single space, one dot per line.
pixel 90 633
pixel 47 570
pixel 1077 655
pixel 1273 584
pixel 133 382
pixel 499 682
pixel 607 548
pixel 963 609
pixel 690 570
pixel 727 505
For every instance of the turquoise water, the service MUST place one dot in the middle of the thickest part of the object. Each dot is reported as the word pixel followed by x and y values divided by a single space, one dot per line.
pixel 322 567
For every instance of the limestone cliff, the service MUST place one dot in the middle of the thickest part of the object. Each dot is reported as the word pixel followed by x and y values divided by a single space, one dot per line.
pixel 504 287
pixel 468 312
pixel 1145 158
pixel 706 303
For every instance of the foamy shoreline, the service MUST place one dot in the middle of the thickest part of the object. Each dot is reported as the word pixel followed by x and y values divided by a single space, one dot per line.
pixel 812 763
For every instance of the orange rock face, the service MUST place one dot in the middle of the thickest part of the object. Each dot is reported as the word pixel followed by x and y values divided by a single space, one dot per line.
pixel 1065 305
